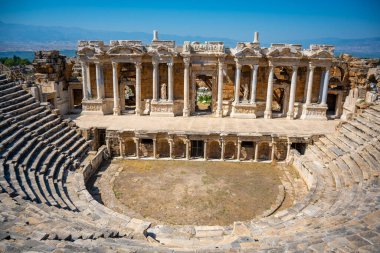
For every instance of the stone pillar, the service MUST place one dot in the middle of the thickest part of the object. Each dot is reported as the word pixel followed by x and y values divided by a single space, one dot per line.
pixel 238 150
pixel 222 149
pixel 237 83
pixel 155 80
pixel 116 99
pixel 154 148
pixel 170 148
pixel 186 77
pixel 272 153
pixel 256 151
pixel 268 106
pixel 310 86
pixel 170 82
pixel 138 88
pixel 307 81
pixel 254 84
pixel 205 149
pixel 99 80
pixel 121 143
pixel 325 86
pixel 188 146
pixel 88 80
pixel 137 142
pixel 288 150
pixel 292 93
pixel 321 87
pixel 84 80
pixel 219 109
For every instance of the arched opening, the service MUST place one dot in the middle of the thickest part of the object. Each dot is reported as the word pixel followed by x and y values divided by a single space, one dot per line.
pixel 146 148
pixel 163 148
pixel 130 148
pixel 264 151
pixel 247 150
pixel 179 149
pixel 214 150
pixel 230 151
pixel 280 151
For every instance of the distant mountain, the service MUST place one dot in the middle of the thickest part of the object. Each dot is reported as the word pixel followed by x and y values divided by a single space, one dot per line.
pixel 18 37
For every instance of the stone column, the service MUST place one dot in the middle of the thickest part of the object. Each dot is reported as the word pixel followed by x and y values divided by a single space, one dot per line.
pixel 325 86
pixel 222 149
pixel 237 83
pixel 170 82
pixel 186 77
pixel 310 86
pixel 292 93
pixel 219 109
pixel 121 143
pixel 307 81
pixel 268 106
pixel 288 150
pixel 254 84
pixel 99 80
pixel 205 149
pixel 138 88
pixel 88 80
pixel 155 80
pixel 321 87
pixel 116 99
pixel 256 151
pixel 84 80
pixel 238 150
pixel 188 146
pixel 170 148
pixel 272 153
pixel 154 148
pixel 137 142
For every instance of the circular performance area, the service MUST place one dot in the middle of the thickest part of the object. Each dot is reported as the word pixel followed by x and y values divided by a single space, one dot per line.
pixel 196 192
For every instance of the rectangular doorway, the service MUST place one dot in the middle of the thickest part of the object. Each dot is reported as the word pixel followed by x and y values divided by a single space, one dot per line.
pixel 197 148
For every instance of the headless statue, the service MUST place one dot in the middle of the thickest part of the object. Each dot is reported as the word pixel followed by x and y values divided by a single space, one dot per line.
pixel 164 95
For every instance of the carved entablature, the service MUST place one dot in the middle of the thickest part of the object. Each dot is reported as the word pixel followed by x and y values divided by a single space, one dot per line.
pixel 208 48
pixel 126 48
pixel 319 52
pixel 284 51
pixel 91 48
pixel 162 48
pixel 247 50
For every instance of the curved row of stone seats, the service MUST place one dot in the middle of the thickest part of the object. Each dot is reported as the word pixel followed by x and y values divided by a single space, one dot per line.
pixel 32 167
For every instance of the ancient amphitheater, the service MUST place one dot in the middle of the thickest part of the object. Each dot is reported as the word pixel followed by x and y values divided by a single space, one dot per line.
pixel 47 159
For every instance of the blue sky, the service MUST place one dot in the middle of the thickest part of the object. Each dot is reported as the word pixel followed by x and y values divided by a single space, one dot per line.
pixel 275 20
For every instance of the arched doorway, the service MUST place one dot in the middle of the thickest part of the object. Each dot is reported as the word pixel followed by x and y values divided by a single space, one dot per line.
pixel 214 150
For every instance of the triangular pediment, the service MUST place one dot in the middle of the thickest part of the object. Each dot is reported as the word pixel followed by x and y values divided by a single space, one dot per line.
pixel 125 50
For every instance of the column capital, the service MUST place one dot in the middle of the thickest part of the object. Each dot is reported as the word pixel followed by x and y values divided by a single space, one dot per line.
pixel 84 63
pixel 138 64
pixel 114 64
pixel 186 61
pixel 311 67
pixel 155 63
pixel 254 66
pixel 170 64
pixel 295 67
pixel 238 65
pixel 221 61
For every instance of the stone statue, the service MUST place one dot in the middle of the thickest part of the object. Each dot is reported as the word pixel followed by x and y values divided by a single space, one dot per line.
pixel 164 95
pixel 245 92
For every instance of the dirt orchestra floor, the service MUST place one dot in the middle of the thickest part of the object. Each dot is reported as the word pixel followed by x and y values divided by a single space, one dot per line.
pixel 191 192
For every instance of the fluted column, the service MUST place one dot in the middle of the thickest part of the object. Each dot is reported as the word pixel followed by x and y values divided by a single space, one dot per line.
pixel 154 148
pixel 325 86
pixel 222 142
pixel 138 88
pixel 256 151
pixel 254 84
pixel 272 153
pixel 310 85
pixel 155 80
pixel 205 149
pixel 305 89
pixel 219 108
pixel 137 143
pixel 99 80
pixel 238 150
pixel 292 93
pixel 187 151
pixel 116 99
pixel 88 80
pixel 170 82
pixel 237 82
pixel 268 106
pixel 84 80
pixel 321 87
pixel 186 77
pixel 170 148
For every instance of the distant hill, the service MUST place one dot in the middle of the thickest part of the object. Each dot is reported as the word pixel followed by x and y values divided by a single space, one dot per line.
pixel 18 37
